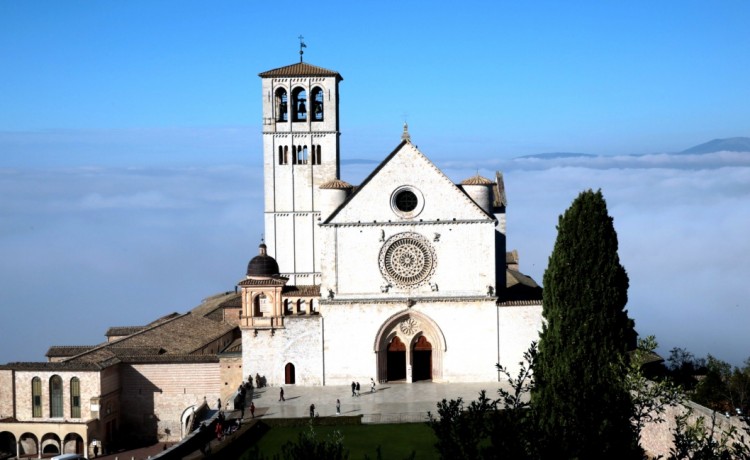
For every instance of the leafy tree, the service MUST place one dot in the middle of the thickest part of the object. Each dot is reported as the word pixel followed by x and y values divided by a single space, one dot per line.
pixel 703 441
pixel 581 400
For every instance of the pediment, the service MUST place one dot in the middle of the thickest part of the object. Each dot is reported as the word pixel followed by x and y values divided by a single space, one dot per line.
pixel 407 187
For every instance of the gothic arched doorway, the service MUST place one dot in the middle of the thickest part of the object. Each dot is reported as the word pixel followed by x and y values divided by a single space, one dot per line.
pixel 289 378
pixel 396 360
pixel 421 360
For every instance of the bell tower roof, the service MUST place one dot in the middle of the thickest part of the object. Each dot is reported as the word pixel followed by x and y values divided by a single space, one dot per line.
pixel 300 69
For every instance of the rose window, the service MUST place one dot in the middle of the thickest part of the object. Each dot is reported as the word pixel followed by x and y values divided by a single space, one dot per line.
pixel 407 259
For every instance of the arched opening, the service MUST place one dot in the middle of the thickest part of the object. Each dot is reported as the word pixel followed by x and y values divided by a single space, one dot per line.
pixel 281 105
pixel 50 444
pixel 315 159
pixel 72 444
pixel 283 155
pixel 299 105
pixel 396 360
pixel 75 398
pixel 261 306
pixel 317 101
pixel 55 397
pixel 36 397
pixel 289 377
pixel 287 307
pixel 28 445
pixel 421 368
pixel 7 445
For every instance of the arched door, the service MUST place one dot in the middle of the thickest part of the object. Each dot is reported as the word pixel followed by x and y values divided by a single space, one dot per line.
pixel 396 360
pixel 421 360
pixel 289 377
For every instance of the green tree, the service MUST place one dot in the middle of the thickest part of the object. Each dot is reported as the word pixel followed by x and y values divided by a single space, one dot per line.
pixel 581 399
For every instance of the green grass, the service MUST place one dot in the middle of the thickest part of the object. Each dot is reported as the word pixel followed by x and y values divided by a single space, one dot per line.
pixel 396 441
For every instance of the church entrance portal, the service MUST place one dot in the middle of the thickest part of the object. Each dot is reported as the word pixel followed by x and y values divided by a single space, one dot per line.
pixel 396 360
pixel 289 374
pixel 421 360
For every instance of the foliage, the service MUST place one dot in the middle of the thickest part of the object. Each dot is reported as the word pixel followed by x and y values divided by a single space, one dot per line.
pixel 700 441
pixel 650 398
pixel 581 400
pixel 308 447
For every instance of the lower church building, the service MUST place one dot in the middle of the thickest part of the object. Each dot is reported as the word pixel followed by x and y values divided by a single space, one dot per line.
pixel 402 278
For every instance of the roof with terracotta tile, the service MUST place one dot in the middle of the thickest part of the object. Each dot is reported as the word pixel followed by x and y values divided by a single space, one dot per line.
pixel 300 69
pixel 477 180
pixel 304 290
pixel 336 184
pixel 60 351
pixel 119 331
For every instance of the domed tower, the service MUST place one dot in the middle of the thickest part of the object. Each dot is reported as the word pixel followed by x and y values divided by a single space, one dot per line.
pixel 479 189
pixel 261 293
pixel 332 195
pixel 300 153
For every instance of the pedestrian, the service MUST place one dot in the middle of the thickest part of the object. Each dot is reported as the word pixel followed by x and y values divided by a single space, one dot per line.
pixel 281 395
pixel 252 409
pixel 372 385
pixel 219 430
pixel 96 450
pixel 312 410
pixel 354 389
pixel 357 388
pixel 338 407
pixel 218 404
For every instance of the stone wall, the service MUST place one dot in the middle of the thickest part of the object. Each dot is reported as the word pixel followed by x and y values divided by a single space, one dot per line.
pixel 156 395
pixel 230 374
pixel 90 387
pixel 7 393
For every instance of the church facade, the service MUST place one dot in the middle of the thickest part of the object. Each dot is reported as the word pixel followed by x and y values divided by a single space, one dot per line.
pixel 408 270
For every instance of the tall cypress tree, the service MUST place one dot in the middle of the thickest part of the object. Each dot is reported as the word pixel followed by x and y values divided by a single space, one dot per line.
pixel 581 406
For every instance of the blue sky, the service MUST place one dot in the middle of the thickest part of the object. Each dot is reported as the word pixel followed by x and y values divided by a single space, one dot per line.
pixel 130 143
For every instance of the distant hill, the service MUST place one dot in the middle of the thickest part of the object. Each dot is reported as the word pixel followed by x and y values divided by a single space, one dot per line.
pixel 553 155
pixel 732 144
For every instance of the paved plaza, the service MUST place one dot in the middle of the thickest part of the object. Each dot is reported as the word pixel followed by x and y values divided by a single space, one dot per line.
pixel 390 403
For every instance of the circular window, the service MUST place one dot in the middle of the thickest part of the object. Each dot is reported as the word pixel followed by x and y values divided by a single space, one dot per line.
pixel 407 259
pixel 407 202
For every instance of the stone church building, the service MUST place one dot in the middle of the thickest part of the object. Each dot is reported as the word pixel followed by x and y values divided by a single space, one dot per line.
pixel 402 278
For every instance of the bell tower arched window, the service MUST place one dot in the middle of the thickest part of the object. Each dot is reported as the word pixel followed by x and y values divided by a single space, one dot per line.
pixel 317 101
pixel 282 112
pixel 284 155
pixel 299 105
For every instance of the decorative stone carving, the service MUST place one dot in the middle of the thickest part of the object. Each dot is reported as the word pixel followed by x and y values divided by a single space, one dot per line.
pixel 407 259
pixel 409 326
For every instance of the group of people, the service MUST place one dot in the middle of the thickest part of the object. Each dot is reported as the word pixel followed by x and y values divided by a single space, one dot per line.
pixel 356 387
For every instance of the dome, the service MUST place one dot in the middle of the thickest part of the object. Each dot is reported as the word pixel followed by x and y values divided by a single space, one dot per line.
pixel 477 180
pixel 336 184
pixel 262 265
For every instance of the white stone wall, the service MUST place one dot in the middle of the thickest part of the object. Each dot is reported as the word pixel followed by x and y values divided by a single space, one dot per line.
pixel 518 326
pixel 299 343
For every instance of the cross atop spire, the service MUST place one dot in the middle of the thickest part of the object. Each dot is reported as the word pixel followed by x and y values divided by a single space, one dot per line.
pixel 405 135
pixel 301 45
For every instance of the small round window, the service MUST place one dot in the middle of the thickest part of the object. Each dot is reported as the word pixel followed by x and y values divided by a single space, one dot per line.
pixel 407 202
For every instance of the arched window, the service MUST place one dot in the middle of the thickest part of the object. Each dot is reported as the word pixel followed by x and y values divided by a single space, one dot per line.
pixel 282 112
pixel 36 397
pixel 287 307
pixel 55 397
pixel 281 155
pixel 299 104
pixel 316 155
pixel 302 155
pixel 75 398
pixel 302 307
pixel 317 101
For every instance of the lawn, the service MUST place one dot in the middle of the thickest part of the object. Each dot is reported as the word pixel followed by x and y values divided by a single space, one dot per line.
pixel 396 442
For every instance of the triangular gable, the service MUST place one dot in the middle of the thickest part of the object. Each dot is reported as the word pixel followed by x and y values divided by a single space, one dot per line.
pixel 407 166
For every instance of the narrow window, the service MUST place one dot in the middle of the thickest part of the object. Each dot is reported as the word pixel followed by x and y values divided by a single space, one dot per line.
pixel 316 155
pixel 55 397
pixel 286 154
pixel 281 105
pixel 281 155
pixel 299 105
pixel 75 398
pixel 302 155
pixel 317 98
pixel 36 397
pixel 294 154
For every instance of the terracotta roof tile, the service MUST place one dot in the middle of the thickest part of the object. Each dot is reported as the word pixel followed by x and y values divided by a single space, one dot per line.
pixel 119 331
pixel 477 180
pixel 300 69
pixel 336 184
pixel 60 351
pixel 309 290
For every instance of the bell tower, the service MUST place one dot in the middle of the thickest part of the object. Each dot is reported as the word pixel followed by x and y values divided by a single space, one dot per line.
pixel 300 153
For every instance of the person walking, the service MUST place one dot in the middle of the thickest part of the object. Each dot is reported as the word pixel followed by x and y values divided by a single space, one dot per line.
pixel 354 389
pixel 372 385
pixel 281 395
pixel 357 388
pixel 338 407
pixel 252 409
pixel 312 410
